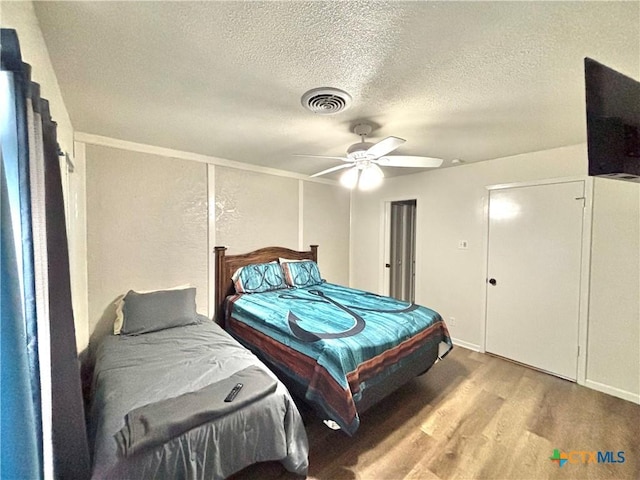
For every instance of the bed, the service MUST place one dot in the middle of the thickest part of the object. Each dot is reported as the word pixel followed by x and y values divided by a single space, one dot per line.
pixel 157 410
pixel 341 350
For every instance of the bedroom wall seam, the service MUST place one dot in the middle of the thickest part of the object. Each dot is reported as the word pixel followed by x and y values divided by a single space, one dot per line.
pixel 211 238
pixel 78 255
pixel 301 245
pixel 196 157
pixel 351 246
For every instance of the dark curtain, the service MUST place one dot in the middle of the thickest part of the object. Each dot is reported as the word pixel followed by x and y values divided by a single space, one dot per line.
pixel 46 284
pixel 71 453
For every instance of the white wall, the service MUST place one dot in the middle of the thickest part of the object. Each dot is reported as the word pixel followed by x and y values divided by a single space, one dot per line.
pixel 326 210
pixel 21 16
pixel 613 360
pixel 255 210
pixel 451 207
pixel 146 227
pixel 154 216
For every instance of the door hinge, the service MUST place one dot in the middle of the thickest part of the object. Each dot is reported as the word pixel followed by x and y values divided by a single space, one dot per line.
pixel 578 350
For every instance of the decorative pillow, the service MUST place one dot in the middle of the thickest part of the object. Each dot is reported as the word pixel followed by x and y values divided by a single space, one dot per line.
pixel 119 303
pixel 302 274
pixel 259 277
pixel 149 312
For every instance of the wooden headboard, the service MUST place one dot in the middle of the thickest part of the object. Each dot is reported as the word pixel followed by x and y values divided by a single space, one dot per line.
pixel 226 265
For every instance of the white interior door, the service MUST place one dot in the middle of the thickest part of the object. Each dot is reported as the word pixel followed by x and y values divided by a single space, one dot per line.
pixel 533 282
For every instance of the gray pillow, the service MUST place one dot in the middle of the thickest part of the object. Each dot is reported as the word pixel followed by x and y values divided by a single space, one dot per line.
pixel 149 312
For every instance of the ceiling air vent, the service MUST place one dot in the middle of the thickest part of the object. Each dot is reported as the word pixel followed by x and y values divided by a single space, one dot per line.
pixel 326 100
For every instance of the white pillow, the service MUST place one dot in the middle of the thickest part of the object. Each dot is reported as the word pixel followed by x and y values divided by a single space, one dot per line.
pixel 119 303
pixel 290 260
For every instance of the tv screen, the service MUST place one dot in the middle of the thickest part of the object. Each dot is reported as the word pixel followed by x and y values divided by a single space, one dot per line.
pixel 613 122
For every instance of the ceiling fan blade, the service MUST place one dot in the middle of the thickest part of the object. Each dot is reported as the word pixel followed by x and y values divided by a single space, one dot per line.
pixel 409 161
pixel 385 146
pixel 344 159
pixel 332 169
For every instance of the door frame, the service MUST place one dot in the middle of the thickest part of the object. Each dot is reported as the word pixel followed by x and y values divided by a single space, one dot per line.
pixel 385 243
pixel 585 264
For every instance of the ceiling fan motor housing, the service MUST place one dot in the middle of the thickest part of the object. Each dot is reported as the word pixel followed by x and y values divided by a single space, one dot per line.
pixel 357 150
pixel 362 129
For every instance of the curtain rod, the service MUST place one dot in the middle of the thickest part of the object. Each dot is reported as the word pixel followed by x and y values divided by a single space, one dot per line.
pixel 70 166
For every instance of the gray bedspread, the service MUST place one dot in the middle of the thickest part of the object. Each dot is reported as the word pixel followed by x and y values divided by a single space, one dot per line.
pixel 134 371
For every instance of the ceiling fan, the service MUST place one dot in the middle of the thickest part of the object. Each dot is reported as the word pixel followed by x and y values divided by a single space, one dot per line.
pixel 365 158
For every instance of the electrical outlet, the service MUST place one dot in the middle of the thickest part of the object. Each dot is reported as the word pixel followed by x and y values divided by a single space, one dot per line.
pixel 452 321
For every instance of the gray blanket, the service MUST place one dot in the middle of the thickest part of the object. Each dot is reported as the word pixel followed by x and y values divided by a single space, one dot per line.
pixel 134 371
pixel 156 423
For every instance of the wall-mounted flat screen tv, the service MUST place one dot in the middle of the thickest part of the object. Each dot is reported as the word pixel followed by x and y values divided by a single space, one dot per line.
pixel 613 122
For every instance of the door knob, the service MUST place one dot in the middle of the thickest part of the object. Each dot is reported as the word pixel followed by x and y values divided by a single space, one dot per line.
pixel 492 281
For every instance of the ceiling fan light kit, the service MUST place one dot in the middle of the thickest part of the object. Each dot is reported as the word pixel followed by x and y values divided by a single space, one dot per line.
pixel 350 178
pixel 365 177
pixel 363 159
pixel 370 177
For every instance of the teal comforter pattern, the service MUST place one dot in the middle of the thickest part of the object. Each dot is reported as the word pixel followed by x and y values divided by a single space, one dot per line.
pixel 334 341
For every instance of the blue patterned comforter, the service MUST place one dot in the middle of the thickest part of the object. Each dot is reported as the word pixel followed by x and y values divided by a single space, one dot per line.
pixel 335 341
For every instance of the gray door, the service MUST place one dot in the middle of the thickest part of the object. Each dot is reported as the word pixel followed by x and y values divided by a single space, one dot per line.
pixel 403 250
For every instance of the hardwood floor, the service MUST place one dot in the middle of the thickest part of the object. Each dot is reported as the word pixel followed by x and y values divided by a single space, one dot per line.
pixel 475 416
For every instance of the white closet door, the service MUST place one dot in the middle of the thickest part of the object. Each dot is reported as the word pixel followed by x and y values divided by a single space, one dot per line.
pixel 533 289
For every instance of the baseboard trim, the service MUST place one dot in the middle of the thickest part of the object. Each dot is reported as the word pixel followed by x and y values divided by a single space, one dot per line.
pixel 616 392
pixel 467 345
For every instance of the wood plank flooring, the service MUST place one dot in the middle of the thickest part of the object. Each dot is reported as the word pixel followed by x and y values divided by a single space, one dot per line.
pixel 475 416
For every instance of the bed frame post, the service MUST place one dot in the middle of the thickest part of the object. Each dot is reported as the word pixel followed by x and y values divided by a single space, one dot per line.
pixel 219 286
pixel 314 252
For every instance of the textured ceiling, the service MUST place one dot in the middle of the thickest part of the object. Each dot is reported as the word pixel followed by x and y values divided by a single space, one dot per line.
pixel 467 80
